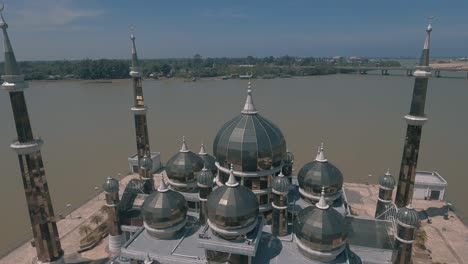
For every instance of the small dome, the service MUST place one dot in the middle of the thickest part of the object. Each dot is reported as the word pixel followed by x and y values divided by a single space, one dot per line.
pixel 249 141
pixel 318 173
pixel 232 206
pixel 146 163
pixel 164 208
pixel 208 159
pixel 205 178
pixel 387 181
pixel 184 166
pixel 111 185
pixel 280 184
pixel 408 216
pixel 320 228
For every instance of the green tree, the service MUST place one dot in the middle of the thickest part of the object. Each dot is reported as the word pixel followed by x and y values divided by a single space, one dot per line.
pixel 166 69
pixel 96 219
pixel 84 230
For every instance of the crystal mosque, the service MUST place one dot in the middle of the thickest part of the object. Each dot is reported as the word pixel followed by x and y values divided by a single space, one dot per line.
pixel 240 204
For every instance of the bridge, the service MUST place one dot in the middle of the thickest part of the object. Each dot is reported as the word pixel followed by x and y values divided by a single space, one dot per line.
pixel 409 70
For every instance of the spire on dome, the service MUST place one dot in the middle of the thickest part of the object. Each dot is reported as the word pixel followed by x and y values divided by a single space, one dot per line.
pixel 249 107
pixel 232 182
pixel 388 172
pixel 11 66
pixel 320 155
pixel 281 172
pixel 148 260
pixel 184 146
pixel 322 204
pixel 134 52
pixel 424 60
pixel 162 185
pixel 202 150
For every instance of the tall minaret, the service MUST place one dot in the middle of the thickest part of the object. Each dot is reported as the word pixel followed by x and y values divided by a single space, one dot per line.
pixel 415 119
pixel 28 148
pixel 139 110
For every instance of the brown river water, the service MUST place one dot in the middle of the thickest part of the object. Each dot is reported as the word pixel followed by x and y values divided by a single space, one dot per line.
pixel 88 130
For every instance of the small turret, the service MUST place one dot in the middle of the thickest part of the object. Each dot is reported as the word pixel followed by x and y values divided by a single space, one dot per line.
pixel 407 222
pixel 205 186
pixel 386 186
pixel 280 189
pixel 111 191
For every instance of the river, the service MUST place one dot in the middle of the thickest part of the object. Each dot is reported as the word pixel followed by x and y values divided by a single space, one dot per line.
pixel 88 130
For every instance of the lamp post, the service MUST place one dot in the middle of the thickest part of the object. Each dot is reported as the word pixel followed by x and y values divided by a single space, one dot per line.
pixel 68 208
pixel 96 188
pixel 368 179
pixel 446 216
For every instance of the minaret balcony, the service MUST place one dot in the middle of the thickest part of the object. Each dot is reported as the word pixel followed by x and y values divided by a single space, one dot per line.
pixel 135 71
pixel 423 72
pixel 14 83
pixel 415 120
pixel 139 110
pixel 25 148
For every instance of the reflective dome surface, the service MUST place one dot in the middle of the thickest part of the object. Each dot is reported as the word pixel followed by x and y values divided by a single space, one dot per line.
pixel 111 185
pixel 387 181
pixel 146 163
pixel 205 178
pixel 280 184
pixel 251 143
pixel 232 207
pixel 408 216
pixel 184 166
pixel 320 173
pixel 320 229
pixel 164 209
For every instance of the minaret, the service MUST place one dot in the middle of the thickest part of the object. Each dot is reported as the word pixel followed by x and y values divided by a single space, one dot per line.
pixel 141 128
pixel 386 186
pixel 205 186
pixel 116 238
pixel 280 189
pixel 407 222
pixel 415 119
pixel 28 148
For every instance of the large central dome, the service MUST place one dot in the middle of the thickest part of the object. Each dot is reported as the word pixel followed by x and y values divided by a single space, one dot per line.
pixel 249 142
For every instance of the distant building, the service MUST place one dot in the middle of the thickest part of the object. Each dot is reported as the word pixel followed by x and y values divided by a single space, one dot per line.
pixel 429 185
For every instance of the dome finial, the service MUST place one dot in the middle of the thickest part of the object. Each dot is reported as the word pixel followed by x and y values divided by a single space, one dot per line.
pixel 148 260
pixel 281 172
pixel 184 147
pixel 388 172
pixel 202 149
pixel 249 107
pixel 322 204
pixel 320 155
pixel 162 185
pixel 232 182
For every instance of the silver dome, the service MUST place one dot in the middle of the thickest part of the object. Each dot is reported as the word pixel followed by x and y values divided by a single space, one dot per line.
pixel 249 142
pixel 111 185
pixel 387 181
pixel 320 173
pixel 408 216
pixel 184 166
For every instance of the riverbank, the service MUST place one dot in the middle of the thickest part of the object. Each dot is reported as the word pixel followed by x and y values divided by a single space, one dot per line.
pixel 447 239
pixel 70 236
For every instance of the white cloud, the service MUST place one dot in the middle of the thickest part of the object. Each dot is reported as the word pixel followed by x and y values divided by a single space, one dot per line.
pixel 49 15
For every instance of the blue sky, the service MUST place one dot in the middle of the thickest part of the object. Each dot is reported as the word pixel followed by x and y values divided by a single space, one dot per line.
pixel 76 29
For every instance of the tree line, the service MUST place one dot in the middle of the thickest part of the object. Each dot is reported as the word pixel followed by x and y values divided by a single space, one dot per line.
pixel 197 66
